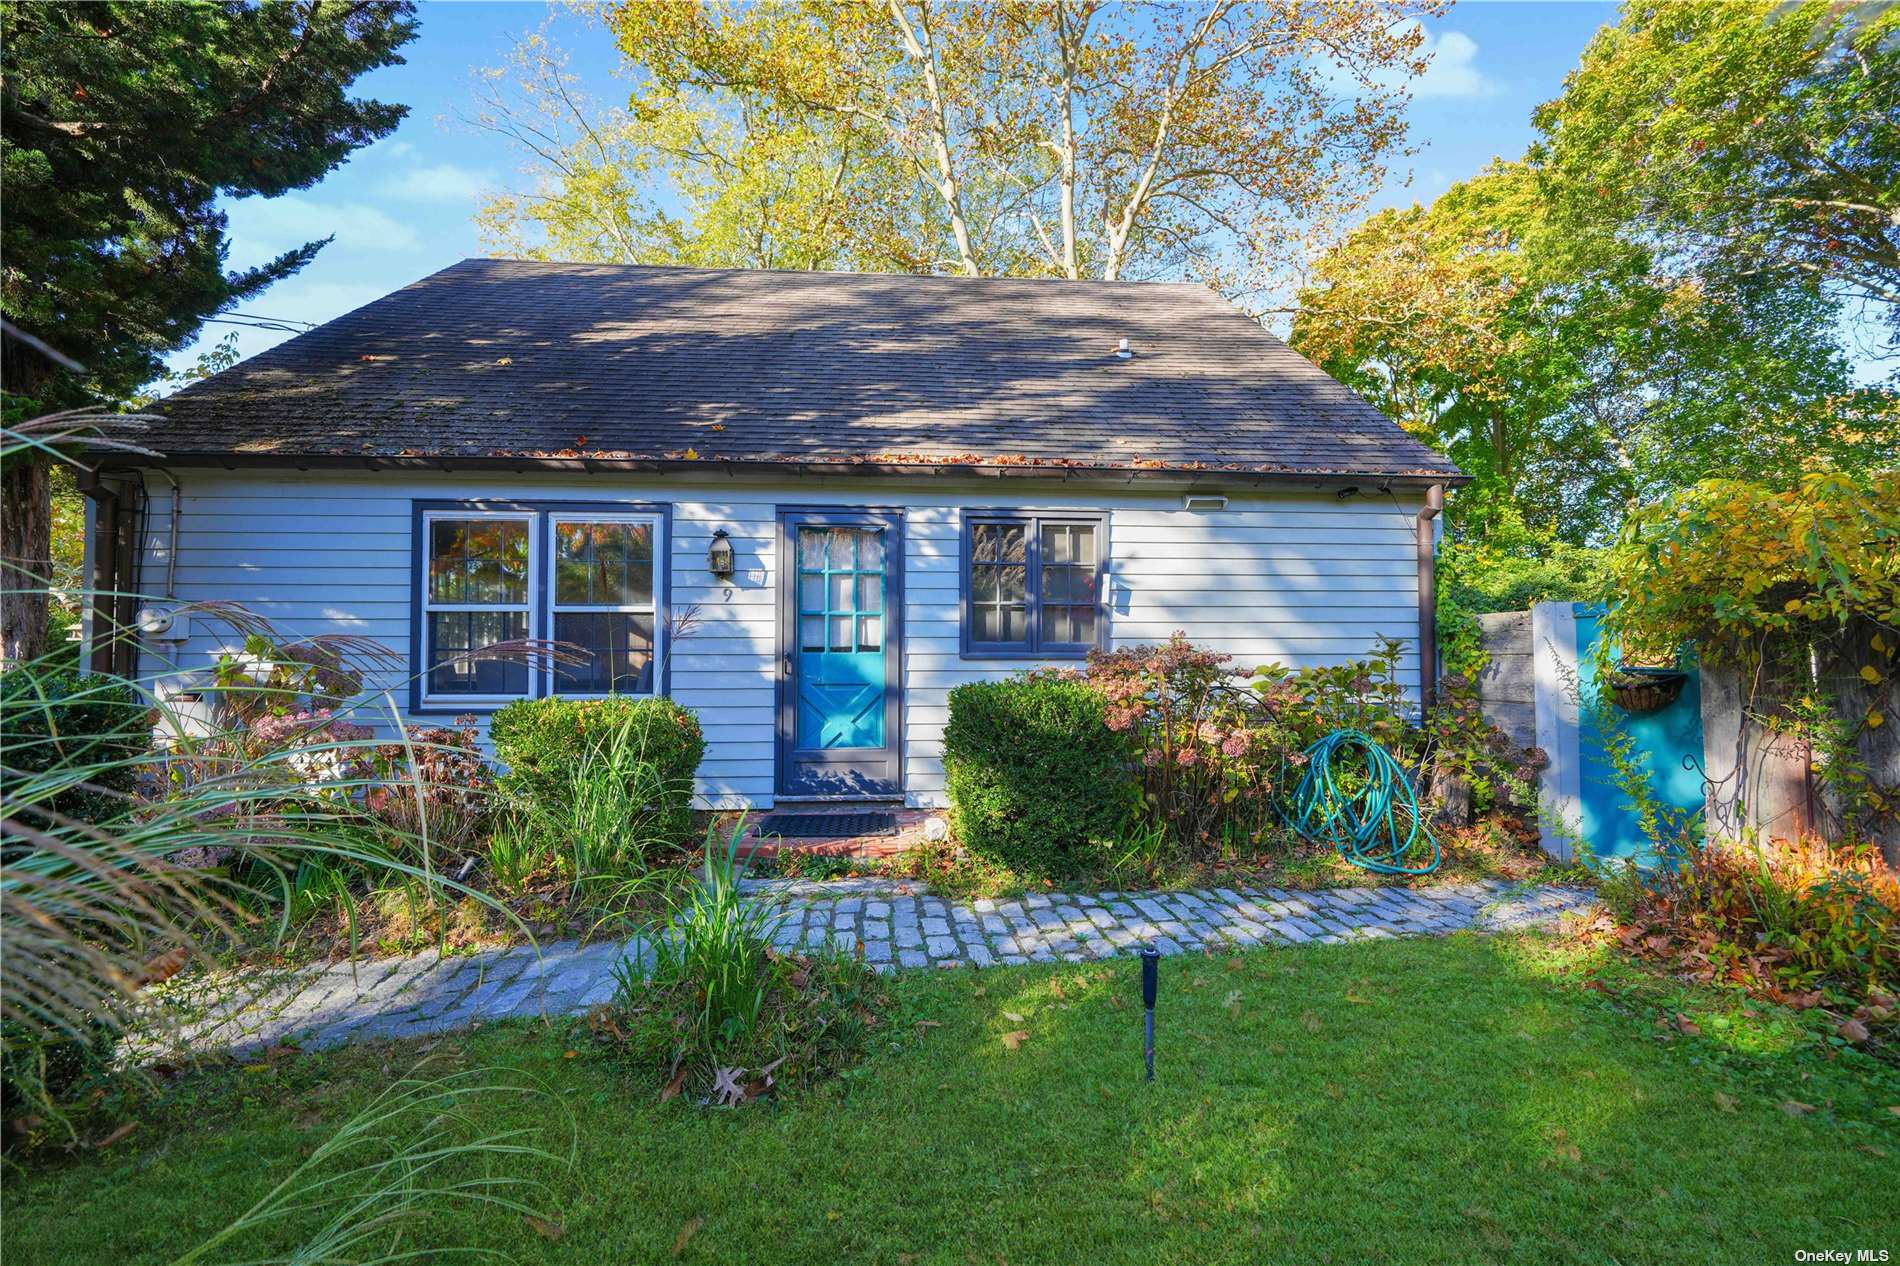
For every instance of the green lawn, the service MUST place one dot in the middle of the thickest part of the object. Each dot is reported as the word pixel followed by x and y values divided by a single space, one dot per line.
pixel 1460 1100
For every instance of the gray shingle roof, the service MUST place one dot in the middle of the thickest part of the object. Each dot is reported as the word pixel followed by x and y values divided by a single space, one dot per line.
pixel 511 359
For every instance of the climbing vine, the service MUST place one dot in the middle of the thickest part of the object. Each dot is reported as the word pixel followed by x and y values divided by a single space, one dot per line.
pixel 1797 591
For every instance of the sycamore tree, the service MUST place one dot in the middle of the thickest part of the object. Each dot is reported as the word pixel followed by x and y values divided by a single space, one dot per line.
pixel 1752 135
pixel 120 126
pixel 1065 139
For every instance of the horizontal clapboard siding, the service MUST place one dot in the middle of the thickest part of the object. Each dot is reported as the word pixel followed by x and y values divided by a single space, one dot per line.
pixel 1301 579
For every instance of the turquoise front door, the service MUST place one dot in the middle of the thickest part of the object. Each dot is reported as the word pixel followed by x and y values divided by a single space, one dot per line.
pixel 839 707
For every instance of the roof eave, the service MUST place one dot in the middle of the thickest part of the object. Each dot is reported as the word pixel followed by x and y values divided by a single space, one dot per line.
pixel 1184 474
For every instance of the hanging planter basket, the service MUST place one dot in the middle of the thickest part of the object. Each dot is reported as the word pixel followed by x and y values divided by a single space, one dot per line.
pixel 1638 689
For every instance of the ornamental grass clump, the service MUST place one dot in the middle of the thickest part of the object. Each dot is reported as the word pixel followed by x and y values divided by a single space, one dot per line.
pixel 722 1016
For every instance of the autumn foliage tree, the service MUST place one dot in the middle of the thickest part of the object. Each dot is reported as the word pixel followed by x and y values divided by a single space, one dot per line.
pixel 1064 139
pixel 1556 335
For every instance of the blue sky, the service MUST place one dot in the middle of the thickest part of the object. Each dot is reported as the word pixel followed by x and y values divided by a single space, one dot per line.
pixel 403 208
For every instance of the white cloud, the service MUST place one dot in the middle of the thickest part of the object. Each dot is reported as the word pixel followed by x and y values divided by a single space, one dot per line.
pixel 1453 71
pixel 263 228
pixel 439 182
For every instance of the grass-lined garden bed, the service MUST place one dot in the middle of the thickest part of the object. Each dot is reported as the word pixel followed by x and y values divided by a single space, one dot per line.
pixel 1468 1099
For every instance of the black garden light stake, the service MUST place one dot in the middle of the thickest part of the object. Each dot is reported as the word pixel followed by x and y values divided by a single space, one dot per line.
pixel 1150 986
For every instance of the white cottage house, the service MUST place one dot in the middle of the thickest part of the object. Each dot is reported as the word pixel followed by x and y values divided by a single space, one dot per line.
pixel 805 505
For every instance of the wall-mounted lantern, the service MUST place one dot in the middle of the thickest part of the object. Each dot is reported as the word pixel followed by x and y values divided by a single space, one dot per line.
pixel 719 555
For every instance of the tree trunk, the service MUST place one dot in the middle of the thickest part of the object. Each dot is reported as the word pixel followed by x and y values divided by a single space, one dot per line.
pixel 26 558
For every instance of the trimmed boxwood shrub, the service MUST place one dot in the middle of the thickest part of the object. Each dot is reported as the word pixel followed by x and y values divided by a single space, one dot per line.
pixel 1037 780
pixel 543 741
pixel 58 719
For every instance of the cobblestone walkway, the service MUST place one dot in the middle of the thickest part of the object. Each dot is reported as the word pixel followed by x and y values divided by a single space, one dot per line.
pixel 899 926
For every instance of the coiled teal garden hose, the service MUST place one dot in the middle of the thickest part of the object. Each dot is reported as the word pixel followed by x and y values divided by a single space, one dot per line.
pixel 1376 825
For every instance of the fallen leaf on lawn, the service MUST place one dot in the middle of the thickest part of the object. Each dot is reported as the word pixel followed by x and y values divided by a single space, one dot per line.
pixel 1015 1038
pixel 569 1054
pixel 1894 1108
pixel 1115 1000
pixel 1012 1017
pixel 832 1215
pixel 1687 1027
pixel 923 1025
pixel 977 992
pixel 674 1086
pixel 688 1230
pixel 1795 1108
pixel 1236 963
pixel 117 1134
pixel 905 1259
pixel 1055 989
pixel 545 1229
pixel 1853 1030
pixel 1725 1102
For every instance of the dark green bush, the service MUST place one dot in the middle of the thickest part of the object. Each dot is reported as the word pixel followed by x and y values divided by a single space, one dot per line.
pixel 92 730
pixel 1037 780
pixel 655 743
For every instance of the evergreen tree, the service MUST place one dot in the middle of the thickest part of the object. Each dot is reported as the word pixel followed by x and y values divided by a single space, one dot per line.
pixel 120 125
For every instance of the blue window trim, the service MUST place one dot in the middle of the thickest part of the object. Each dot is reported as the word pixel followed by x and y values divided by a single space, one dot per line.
pixel 1032 546
pixel 540 609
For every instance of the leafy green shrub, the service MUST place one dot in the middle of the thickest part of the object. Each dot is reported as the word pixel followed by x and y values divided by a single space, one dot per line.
pixel 58 721
pixel 653 746
pixel 1037 780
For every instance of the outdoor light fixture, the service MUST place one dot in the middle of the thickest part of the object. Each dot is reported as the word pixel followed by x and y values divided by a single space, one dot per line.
pixel 1150 986
pixel 719 555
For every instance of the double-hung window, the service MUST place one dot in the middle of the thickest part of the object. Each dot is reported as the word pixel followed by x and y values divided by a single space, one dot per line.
pixel 603 602
pixel 1033 584
pixel 584 576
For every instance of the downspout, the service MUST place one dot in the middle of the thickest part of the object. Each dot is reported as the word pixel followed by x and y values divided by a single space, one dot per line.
pixel 1428 598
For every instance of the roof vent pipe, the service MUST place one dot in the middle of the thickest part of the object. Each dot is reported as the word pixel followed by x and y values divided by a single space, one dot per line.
pixel 1123 351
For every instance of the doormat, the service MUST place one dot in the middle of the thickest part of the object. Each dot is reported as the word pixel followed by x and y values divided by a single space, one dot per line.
pixel 813 826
